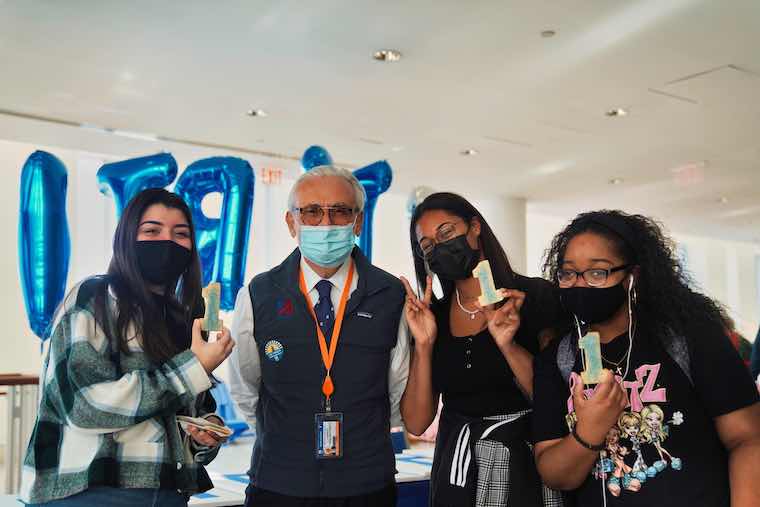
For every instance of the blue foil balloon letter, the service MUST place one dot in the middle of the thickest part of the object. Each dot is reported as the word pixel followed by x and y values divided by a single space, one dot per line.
pixel 222 242
pixel 315 156
pixel 123 180
pixel 44 246
pixel 376 178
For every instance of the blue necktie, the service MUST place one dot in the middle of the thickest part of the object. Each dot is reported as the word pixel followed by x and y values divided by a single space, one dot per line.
pixel 324 309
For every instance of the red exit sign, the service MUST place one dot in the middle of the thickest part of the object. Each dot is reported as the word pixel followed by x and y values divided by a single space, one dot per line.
pixel 270 175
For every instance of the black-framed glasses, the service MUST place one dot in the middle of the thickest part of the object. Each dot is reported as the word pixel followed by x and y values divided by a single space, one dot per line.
pixel 445 232
pixel 313 215
pixel 594 277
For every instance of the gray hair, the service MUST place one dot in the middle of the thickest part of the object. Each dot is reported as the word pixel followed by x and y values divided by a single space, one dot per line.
pixel 328 170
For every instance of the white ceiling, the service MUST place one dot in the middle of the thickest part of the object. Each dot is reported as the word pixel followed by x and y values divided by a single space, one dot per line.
pixel 475 74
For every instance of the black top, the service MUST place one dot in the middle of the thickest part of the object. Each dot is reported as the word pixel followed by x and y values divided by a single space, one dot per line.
pixel 665 449
pixel 471 373
pixel 180 331
pixel 177 325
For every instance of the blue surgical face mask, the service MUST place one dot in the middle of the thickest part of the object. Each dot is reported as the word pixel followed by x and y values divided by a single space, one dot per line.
pixel 327 245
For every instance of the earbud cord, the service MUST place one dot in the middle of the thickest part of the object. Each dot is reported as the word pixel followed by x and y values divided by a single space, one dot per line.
pixel 602 473
pixel 631 328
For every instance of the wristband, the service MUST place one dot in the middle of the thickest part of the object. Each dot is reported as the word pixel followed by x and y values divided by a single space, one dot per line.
pixel 585 444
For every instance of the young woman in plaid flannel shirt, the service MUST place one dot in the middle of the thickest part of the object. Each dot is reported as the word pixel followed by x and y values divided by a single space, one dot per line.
pixel 125 357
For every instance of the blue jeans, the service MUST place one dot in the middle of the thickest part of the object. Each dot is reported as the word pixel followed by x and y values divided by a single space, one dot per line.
pixel 119 497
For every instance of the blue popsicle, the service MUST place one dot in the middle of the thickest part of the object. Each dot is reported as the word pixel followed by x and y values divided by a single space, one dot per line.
pixel 211 320
pixel 592 354
pixel 488 293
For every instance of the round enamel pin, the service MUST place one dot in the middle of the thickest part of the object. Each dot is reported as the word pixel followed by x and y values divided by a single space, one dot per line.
pixel 274 350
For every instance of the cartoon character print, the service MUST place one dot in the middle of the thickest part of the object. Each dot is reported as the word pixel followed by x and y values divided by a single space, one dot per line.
pixel 621 473
pixel 630 426
pixel 621 464
pixel 654 431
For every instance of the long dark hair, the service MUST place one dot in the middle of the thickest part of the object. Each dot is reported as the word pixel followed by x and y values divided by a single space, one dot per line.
pixel 665 301
pixel 135 304
pixel 503 275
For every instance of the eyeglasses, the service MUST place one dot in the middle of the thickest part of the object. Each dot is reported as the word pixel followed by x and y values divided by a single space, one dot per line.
pixel 313 215
pixel 594 277
pixel 445 232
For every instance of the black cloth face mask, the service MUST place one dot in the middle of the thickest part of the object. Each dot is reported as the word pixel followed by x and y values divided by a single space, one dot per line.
pixel 593 305
pixel 161 262
pixel 453 259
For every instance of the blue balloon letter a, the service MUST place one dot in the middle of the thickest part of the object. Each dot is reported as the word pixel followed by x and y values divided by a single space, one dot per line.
pixel 222 242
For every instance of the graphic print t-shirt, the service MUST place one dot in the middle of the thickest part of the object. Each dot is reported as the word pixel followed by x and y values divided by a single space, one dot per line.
pixel 664 449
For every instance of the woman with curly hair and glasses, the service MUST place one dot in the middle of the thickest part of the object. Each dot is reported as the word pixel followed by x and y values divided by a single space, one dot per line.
pixel 667 363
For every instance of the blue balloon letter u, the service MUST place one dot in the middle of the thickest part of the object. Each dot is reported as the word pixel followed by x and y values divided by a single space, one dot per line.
pixel 376 179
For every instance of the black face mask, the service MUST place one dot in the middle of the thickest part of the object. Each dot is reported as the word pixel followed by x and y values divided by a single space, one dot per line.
pixel 453 259
pixel 593 305
pixel 161 262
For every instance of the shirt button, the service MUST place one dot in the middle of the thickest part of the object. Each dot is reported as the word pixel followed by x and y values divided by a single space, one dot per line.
pixel 468 366
pixel 179 466
pixel 469 352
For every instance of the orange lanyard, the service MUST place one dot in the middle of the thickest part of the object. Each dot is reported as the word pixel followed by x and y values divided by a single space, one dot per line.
pixel 328 356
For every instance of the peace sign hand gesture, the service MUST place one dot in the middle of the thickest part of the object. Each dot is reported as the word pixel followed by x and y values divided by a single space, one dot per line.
pixel 418 315
pixel 504 322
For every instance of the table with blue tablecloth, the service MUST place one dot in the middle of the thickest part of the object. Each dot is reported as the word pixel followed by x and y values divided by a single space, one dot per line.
pixel 412 478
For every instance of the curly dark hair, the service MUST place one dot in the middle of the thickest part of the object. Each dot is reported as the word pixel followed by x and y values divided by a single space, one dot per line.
pixel 665 300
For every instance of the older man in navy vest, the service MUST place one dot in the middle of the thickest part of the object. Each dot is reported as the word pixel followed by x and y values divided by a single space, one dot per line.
pixel 322 358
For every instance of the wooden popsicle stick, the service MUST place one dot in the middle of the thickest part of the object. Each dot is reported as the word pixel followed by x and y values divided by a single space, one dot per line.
pixel 592 354
pixel 488 293
pixel 211 295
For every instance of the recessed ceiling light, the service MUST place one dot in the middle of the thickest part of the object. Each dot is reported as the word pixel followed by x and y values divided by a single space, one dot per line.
pixel 387 55
pixel 615 181
pixel 617 112
pixel 723 199
pixel 257 112
pixel 548 33
pixel 397 148
pixel 468 152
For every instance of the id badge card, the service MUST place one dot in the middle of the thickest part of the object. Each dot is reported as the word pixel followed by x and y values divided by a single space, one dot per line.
pixel 329 435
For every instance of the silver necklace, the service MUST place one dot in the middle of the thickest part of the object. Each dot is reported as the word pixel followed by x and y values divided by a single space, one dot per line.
pixel 465 310
pixel 617 364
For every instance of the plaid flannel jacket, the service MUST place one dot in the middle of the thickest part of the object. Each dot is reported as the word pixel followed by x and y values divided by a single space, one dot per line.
pixel 108 424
